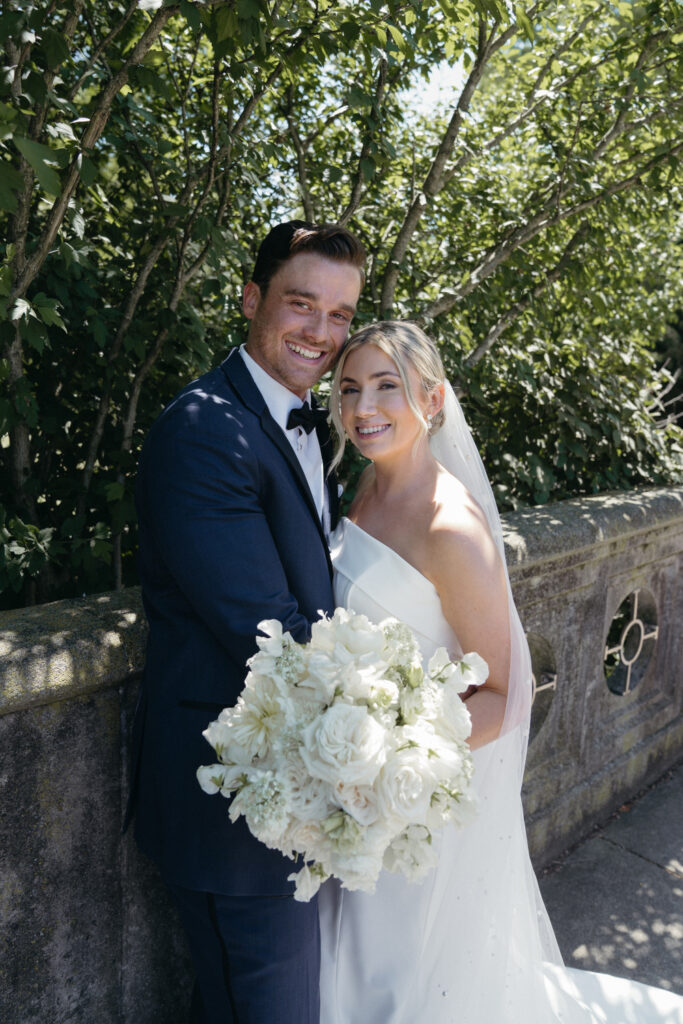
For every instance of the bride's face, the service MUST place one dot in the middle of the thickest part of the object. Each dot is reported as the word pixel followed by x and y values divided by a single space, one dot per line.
pixel 375 410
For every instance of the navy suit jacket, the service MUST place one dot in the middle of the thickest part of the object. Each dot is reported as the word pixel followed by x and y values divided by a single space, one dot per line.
pixel 229 535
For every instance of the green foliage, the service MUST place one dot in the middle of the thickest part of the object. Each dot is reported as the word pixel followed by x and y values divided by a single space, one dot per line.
pixel 581 420
pixel 670 350
pixel 532 222
pixel 25 551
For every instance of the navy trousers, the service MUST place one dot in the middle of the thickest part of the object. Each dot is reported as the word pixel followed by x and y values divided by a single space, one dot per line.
pixel 257 958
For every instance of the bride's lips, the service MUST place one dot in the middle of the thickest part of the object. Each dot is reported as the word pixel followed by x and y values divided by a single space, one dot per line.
pixel 310 355
pixel 374 430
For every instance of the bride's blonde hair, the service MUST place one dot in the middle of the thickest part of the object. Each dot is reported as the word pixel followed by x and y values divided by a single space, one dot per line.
pixel 407 345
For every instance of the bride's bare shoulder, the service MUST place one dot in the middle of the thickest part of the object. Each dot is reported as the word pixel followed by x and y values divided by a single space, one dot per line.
pixel 459 530
pixel 455 508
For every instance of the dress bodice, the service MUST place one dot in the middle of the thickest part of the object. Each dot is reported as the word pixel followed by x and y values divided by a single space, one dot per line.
pixel 374 580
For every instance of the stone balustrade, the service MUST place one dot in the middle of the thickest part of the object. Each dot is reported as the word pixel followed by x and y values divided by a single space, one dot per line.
pixel 86 931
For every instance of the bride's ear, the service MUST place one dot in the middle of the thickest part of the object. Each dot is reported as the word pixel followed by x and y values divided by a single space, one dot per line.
pixel 436 399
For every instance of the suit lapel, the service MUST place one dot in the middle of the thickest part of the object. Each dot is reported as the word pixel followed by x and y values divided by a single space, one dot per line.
pixel 327 451
pixel 237 373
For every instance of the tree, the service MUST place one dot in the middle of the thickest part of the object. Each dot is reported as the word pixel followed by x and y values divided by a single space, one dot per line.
pixel 532 226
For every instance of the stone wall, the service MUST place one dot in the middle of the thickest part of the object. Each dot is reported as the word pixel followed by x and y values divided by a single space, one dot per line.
pixel 86 933
pixel 573 566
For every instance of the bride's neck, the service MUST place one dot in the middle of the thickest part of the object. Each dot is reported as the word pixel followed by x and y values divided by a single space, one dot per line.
pixel 396 477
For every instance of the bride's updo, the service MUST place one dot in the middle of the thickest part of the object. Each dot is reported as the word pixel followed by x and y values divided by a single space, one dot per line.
pixel 407 345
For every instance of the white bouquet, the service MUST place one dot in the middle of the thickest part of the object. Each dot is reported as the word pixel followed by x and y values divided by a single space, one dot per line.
pixel 345 751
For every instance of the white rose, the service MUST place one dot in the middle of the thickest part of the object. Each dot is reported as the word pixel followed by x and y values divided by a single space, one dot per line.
pixel 321 676
pixel 306 838
pixel 345 744
pixel 309 797
pixel 358 801
pixel 405 784
pixel 356 635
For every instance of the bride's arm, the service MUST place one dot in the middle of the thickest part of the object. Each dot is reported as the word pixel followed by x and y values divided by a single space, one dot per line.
pixel 467 572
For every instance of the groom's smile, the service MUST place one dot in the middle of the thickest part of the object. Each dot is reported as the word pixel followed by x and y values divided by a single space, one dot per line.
pixel 300 323
pixel 305 353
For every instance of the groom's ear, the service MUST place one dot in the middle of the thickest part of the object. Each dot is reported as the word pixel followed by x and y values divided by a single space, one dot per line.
pixel 250 299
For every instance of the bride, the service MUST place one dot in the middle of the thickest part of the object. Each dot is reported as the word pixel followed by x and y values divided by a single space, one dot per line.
pixel 472 943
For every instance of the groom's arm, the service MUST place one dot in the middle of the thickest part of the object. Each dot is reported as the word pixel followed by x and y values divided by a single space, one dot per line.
pixel 201 496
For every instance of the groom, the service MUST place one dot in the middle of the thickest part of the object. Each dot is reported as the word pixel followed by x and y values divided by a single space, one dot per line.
pixel 234 508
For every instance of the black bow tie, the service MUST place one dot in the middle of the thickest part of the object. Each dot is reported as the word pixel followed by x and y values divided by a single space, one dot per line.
pixel 306 418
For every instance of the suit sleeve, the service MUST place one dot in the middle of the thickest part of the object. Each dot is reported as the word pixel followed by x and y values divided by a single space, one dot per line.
pixel 201 496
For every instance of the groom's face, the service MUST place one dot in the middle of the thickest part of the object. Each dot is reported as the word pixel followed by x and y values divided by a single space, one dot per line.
pixel 299 326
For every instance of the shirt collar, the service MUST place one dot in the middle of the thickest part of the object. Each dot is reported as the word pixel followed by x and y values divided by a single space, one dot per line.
pixel 279 399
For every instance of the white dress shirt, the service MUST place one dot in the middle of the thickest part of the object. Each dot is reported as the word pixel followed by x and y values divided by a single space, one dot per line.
pixel 280 401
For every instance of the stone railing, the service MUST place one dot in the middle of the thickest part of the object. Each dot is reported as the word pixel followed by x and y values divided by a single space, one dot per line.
pixel 602 573
pixel 86 933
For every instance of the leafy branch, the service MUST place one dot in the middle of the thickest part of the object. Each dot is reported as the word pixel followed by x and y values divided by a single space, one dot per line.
pixel 487 46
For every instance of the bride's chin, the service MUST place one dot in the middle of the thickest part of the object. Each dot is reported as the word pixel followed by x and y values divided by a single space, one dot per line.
pixel 370 451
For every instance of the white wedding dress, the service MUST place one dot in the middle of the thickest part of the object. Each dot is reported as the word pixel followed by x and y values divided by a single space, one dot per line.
pixel 471 944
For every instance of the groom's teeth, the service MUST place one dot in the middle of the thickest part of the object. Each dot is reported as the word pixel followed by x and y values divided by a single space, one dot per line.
pixel 305 352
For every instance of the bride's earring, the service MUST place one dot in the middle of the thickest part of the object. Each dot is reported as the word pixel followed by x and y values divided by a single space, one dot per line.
pixel 429 421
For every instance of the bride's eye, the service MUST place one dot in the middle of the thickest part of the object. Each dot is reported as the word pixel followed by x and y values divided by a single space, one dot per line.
pixel 348 389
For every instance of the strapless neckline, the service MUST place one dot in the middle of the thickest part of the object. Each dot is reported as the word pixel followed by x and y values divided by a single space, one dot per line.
pixel 345 521
pixel 372 578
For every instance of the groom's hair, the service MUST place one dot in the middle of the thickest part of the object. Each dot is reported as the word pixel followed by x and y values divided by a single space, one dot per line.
pixel 295 236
